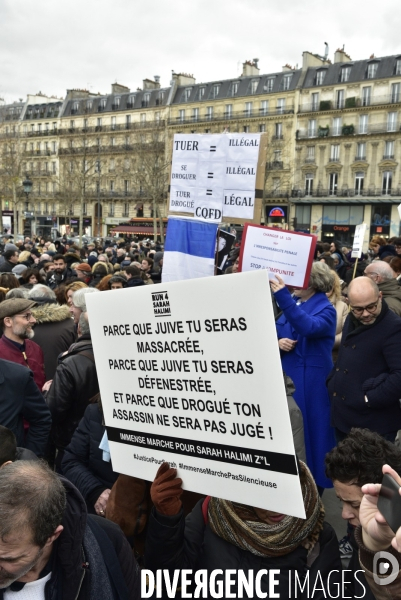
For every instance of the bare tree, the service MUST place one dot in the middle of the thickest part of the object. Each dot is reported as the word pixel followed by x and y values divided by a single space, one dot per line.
pixel 12 173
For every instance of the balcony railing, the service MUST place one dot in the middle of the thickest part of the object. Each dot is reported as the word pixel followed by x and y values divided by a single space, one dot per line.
pixel 115 127
pixel 346 193
pixel 388 156
pixel 224 116
pixel 353 102
pixel 359 158
pixel 275 164
pixel 371 128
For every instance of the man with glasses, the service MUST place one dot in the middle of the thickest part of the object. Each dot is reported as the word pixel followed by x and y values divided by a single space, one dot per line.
pixel 365 383
pixel 383 275
pixel 16 345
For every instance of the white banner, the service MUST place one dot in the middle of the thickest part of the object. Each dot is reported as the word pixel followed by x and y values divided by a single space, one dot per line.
pixel 288 254
pixel 197 381
pixel 359 237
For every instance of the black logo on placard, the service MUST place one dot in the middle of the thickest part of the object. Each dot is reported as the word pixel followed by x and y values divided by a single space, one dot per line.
pixel 161 304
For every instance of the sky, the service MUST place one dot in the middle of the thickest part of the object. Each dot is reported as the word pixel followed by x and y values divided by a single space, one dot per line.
pixel 51 46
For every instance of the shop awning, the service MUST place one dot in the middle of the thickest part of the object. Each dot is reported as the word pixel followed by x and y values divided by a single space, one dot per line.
pixel 131 229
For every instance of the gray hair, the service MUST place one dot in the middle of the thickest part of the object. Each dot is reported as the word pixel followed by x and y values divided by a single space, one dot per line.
pixel 321 277
pixel 383 269
pixel 78 297
pixel 32 497
pixel 84 323
pixel 41 291
pixel 17 293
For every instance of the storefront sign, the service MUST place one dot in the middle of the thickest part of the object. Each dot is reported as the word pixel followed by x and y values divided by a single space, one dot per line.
pixel 197 382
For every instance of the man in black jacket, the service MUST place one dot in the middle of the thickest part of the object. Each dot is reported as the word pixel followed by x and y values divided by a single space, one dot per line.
pixel 10 260
pixel 61 272
pixel 74 384
pixel 52 548
pixel 365 383
pixel 19 399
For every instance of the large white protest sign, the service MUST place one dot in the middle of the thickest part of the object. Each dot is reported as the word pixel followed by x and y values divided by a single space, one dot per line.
pixel 359 237
pixel 225 162
pixel 190 379
pixel 285 253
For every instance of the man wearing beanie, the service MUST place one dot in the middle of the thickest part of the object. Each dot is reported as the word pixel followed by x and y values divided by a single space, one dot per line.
pixel 16 321
pixel 84 273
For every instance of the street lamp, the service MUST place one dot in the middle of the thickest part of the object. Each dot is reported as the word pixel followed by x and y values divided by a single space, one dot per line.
pixel 27 185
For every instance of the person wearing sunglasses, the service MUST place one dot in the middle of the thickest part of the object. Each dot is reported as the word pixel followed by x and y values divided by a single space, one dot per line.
pixel 365 383
pixel 17 321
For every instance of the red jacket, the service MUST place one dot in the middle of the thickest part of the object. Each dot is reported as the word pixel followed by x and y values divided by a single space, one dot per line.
pixel 34 358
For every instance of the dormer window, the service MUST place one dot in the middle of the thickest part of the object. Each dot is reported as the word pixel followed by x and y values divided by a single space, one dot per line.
pixel 89 105
pixel 398 66
pixel 117 100
pixel 372 70
pixel 345 72
pixel 286 82
pixel 187 94
pixel 201 93
pixel 269 84
pixel 254 85
pixel 320 75
pixel 146 100
pixel 234 88
pixel 214 92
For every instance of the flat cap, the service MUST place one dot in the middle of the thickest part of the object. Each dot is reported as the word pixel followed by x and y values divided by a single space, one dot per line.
pixel 14 306
pixel 83 267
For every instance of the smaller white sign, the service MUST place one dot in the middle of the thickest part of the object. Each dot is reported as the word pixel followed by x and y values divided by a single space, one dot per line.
pixel 182 198
pixel 243 147
pixel 288 254
pixel 239 204
pixel 186 146
pixel 359 237
pixel 240 176
pixel 184 172
pixel 209 205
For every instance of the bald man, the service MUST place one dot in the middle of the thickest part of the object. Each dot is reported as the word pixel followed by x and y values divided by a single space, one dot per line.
pixel 365 383
pixel 381 273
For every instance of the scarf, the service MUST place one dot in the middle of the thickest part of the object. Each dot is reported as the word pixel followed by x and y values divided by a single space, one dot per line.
pixel 239 524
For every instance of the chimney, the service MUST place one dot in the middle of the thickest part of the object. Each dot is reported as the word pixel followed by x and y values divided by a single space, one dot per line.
pixel 313 60
pixel 149 84
pixel 288 67
pixel 250 68
pixel 340 56
pixel 116 88
pixel 183 79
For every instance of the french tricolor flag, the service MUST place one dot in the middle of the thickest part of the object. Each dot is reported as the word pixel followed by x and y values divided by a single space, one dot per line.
pixel 189 251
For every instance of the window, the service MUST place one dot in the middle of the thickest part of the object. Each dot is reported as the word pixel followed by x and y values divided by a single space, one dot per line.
pixel 89 105
pixel 340 99
pixel 269 84
pixel 278 131
pixel 209 113
pixel 117 100
pixel 72 125
pixel 111 209
pixel 344 74
pixel 386 182
pixel 363 124
pixel 310 154
pixel 187 94
pixel 112 187
pixel 228 111
pixel 214 92
pixel 333 183
pixel 112 141
pixel 143 118
pixel 54 126
pixel 54 168
pixel 246 129
pixel 372 70
pixel 277 156
pixel 248 109
pixel 85 124
pixel 131 101
pixel 312 128
pixel 335 152
pixel 146 100
pixel 359 179
pixel 102 104
pixel 315 101
pixel 280 105
pixel 395 92
pixel 389 150
pixel 234 88
pixel 342 215
pixel 337 126
pixel 201 93
pixel 302 216
pixel 361 151
pixel 85 208
pixel 46 167
pixel 286 82
pixel 366 96
pixel 181 115
pixel 195 114
pixel 320 75
pixel 264 107
pixel 126 187
pixel 113 123
pixel 398 66
pixel 308 184
pixel 98 123
pixel 391 121
pixel 126 209
pixel 262 128
pixel 254 85
pixel 39 127
pixel 157 117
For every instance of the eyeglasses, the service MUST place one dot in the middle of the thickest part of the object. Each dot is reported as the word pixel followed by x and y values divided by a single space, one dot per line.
pixel 370 308
pixel 27 316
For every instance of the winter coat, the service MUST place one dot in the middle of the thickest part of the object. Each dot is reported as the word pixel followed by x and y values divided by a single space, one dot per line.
pixel 7 267
pixel 175 543
pixel 54 332
pixel 297 422
pixel 342 311
pixel 368 363
pixel 20 399
pixel 90 555
pixel 74 384
pixel 33 358
pixel 356 584
pixel 134 282
pixel 54 280
pixel 312 324
pixel 83 462
pixel 391 292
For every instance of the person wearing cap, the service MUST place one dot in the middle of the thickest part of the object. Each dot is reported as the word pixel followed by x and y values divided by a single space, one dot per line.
pixel 84 273
pixel 16 345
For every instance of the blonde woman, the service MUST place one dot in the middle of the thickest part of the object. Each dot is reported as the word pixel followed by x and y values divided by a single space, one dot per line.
pixel 341 307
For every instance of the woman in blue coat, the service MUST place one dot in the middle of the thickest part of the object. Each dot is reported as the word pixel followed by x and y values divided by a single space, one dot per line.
pixel 306 332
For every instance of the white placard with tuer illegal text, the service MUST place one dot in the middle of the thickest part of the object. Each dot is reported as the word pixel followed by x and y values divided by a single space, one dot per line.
pixel 195 381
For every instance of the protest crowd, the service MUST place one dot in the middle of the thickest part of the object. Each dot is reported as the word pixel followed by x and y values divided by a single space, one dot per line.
pixel 71 528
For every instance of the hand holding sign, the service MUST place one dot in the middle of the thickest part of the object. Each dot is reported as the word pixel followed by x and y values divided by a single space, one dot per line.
pixel 166 491
pixel 276 285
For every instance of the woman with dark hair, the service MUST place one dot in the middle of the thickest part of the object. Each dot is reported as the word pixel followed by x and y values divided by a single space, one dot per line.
pixel 395 264
pixel 31 277
pixel 340 262
pixel 9 281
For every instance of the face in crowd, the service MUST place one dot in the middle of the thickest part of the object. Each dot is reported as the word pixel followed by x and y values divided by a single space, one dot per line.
pixel 21 325
pixel 59 266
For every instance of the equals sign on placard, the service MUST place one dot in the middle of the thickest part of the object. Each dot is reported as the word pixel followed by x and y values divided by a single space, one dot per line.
pixel 210 175
pixel 209 193
pixel 212 148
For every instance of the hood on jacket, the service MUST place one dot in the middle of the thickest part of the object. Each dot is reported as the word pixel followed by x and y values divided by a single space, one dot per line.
pixel 390 288
pixel 51 313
